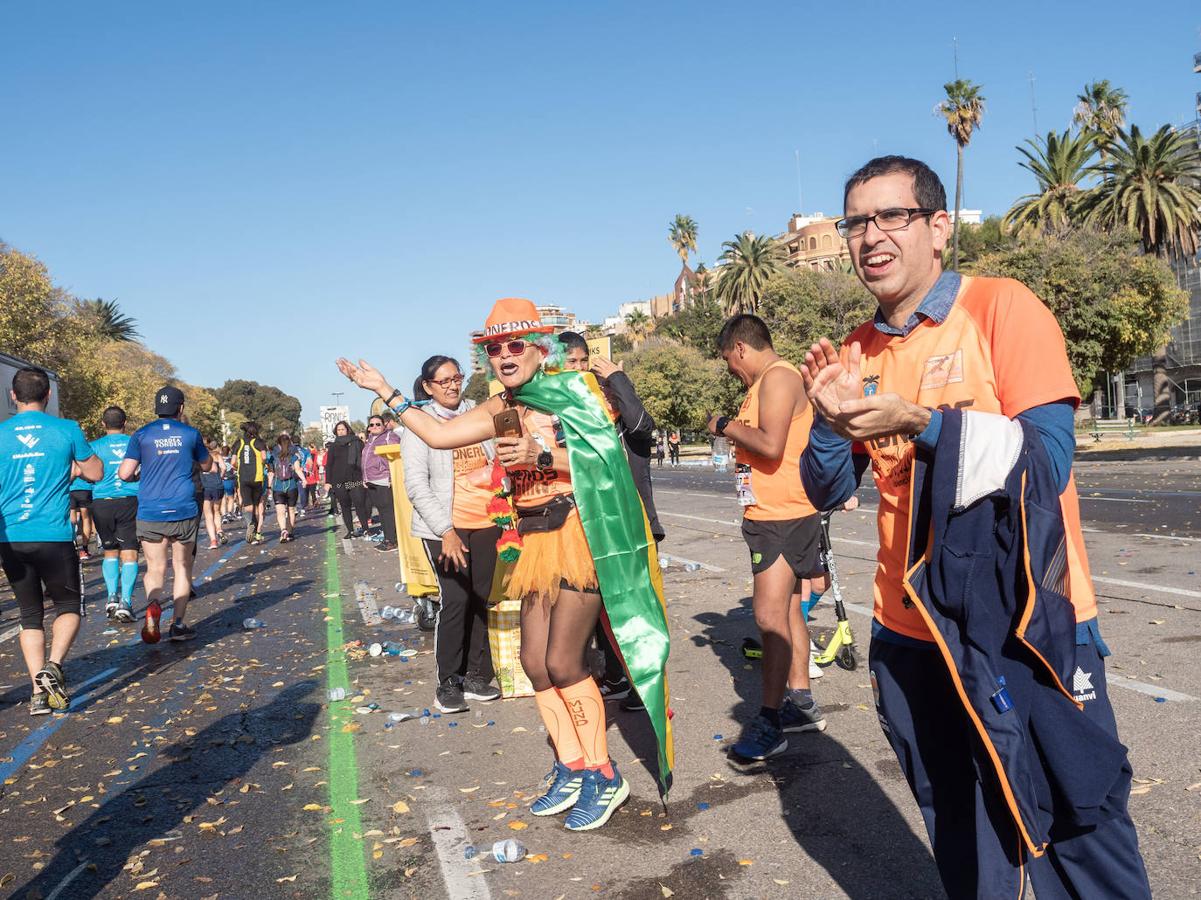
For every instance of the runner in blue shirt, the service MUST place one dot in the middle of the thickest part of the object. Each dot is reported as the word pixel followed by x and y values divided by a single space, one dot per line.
pixel 115 512
pixel 39 455
pixel 163 452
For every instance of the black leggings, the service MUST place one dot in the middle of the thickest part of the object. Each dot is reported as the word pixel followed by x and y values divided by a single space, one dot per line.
pixel 348 497
pixel 40 570
pixel 461 634
pixel 380 496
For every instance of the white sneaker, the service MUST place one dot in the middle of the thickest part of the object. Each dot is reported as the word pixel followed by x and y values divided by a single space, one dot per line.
pixel 815 671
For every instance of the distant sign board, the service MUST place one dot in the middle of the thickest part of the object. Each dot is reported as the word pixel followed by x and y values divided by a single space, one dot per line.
pixel 600 346
pixel 331 416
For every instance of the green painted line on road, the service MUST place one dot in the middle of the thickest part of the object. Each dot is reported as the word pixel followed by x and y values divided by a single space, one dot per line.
pixel 346 850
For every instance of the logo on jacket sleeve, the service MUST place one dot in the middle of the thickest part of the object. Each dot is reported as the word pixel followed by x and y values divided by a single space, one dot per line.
pixel 1082 686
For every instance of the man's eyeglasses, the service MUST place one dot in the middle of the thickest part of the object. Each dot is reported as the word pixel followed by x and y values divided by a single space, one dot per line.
pixel 447 382
pixel 892 219
pixel 516 348
pixel 375 424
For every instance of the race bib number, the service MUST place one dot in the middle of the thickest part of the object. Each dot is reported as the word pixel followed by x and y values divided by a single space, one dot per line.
pixel 742 485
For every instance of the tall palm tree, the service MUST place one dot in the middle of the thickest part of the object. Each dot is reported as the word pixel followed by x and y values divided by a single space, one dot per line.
pixel 1059 162
pixel 703 277
pixel 638 325
pixel 594 331
pixel 963 109
pixel 113 324
pixel 1152 185
pixel 749 262
pixel 1101 109
pixel 681 232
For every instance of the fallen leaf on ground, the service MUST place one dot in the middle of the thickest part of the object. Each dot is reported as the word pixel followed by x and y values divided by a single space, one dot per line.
pixel 665 890
pixel 285 878
pixel 518 826
pixel 400 807
pixel 311 807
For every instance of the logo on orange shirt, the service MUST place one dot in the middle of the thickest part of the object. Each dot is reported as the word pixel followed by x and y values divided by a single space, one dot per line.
pixel 871 384
pixel 942 370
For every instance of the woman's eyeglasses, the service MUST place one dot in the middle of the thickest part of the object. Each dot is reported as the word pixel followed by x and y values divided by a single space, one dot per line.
pixel 516 348
pixel 447 382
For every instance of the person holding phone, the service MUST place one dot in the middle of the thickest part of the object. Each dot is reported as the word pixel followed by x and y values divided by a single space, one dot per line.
pixel 573 519
pixel 450 492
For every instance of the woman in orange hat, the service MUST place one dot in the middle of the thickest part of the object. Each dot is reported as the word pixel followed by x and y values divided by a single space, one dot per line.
pixel 538 503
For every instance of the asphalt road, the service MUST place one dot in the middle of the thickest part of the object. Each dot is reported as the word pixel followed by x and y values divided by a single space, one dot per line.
pixel 219 769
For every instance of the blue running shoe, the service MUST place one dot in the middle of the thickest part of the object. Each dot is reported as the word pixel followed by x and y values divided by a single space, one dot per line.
pixel 759 740
pixel 599 799
pixel 563 792
pixel 794 717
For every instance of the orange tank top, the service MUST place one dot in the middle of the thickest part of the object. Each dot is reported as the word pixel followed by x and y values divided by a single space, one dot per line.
pixel 533 486
pixel 472 489
pixel 775 484
pixel 999 350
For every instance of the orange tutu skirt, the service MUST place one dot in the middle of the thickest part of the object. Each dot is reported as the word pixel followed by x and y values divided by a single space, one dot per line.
pixel 549 558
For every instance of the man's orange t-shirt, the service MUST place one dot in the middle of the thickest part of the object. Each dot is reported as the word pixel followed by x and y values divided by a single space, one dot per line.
pixel 999 350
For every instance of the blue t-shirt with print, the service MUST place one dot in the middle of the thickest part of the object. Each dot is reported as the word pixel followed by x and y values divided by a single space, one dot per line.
pixel 111 450
pixel 166 448
pixel 36 452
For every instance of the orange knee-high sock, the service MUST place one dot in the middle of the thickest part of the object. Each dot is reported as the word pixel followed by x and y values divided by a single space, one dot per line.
pixel 558 725
pixel 587 710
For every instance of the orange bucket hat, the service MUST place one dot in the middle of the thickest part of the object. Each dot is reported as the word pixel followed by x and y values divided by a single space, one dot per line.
pixel 510 316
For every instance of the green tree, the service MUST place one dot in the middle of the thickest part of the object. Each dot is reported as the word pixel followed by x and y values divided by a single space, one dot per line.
pixel 477 387
pixel 989 236
pixel 112 324
pixel 963 109
pixel 1059 162
pixel 749 262
pixel 681 233
pixel 696 325
pixel 802 305
pixel 1151 186
pixel 1101 112
pixel 262 403
pixel 1113 301
pixel 679 386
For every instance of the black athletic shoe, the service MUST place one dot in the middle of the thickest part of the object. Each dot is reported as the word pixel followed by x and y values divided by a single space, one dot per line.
pixel 475 688
pixel 632 703
pixel 449 697
pixel 52 680
pixel 615 690
pixel 181 632
pixel 385 546
pixel 39 705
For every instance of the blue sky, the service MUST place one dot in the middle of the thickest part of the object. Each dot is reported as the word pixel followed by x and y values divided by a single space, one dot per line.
pixel 267 186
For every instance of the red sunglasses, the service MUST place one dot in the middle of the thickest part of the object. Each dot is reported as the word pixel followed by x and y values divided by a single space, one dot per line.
pixel 516 348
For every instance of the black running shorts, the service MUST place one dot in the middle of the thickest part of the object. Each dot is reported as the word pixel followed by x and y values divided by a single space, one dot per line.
pixel 797 540
pixel 252 493
pixel 117 522
pixel 81 500
pixel 41 570
pixel 286 498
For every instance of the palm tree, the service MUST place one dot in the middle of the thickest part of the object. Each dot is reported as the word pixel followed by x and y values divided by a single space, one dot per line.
pixel 703 277
pixel 681 232
pixel 1153 187
pixel 594 331
pixel 112 323
pixel 639 325
pixel 1059 162
pixel 749 263
pixel 963 109
pixel 1101 109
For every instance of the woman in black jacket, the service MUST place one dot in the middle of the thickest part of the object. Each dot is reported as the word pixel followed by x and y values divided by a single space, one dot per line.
pixel 344 475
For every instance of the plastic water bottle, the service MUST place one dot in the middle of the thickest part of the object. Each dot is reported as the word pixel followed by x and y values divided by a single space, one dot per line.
pixel 252 623
pixel 388 612
pixel 391 648
pixel 405 715
pixel 692 567
pixel 506 851
pixel 335 694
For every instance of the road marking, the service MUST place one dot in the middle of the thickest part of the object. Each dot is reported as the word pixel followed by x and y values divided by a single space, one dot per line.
pixel 1168 537
pixel 10 634
pixel 1144 586
pixel 33 742
pixel 71 876
pixel 1143 688
pixel 664 512
pixel 450 839
pixel 346 851
pixel 1115 499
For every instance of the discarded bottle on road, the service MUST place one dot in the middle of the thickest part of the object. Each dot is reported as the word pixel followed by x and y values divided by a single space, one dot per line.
pixel 506 851
pixel 388 612
pixel 405 715
pixel 252 623
pixel 338 693
pixel 391 648
pixel 692 567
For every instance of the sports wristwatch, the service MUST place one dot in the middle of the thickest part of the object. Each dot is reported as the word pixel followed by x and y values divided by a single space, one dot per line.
pixel 545 458
pixel 722 422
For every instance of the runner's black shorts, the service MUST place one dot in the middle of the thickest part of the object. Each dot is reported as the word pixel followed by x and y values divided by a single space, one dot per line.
pixel 797 540
pixel 252 493
pixel 290 497
pixel 40 570
pixel 117 522
pixel 81 500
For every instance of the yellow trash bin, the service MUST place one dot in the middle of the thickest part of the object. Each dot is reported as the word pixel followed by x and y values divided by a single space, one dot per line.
pixel 415 571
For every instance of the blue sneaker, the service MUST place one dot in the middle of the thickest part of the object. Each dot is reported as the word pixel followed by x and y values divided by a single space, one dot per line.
pixel 563 792
pixel 759 740
pixel 794 717
pixel 599 799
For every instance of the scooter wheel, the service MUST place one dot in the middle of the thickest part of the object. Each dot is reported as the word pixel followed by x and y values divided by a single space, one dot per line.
pixel 846 658
pixel 427 616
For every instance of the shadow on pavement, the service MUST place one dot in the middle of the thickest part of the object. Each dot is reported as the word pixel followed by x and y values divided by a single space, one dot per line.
pixel 95 851
pixel 833 806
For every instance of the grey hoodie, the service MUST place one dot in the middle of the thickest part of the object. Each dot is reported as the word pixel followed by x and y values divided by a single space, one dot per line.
pixel 430 478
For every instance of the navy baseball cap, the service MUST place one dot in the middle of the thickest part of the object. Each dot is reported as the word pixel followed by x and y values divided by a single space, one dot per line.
pixel 168 401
